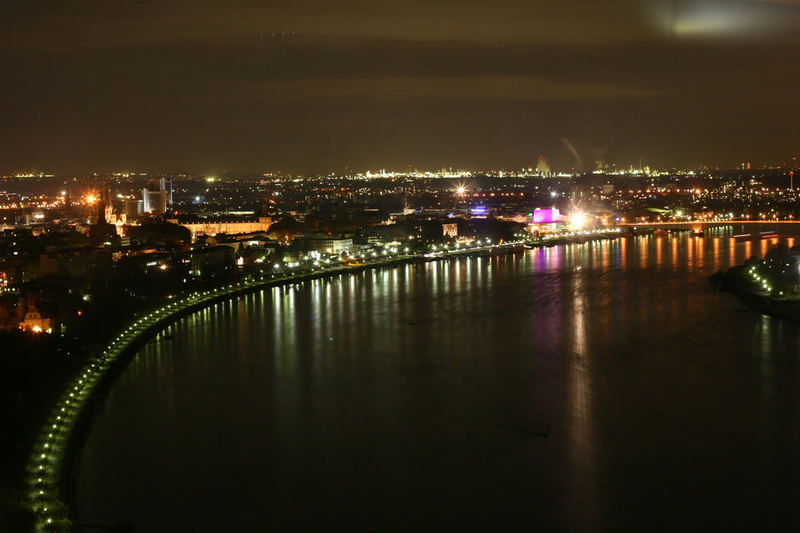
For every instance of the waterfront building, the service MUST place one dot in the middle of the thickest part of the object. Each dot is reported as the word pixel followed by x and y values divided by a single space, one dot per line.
pixel 545 220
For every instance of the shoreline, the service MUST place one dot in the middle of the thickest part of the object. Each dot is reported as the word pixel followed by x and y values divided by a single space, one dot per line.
pixel 732 281
pixel 49 480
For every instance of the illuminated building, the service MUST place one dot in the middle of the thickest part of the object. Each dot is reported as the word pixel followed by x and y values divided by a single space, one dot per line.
pixel 546 216
pixel 215 226
pixel 545 220
pixel 450 230
pixel 34 322
pixel 156 202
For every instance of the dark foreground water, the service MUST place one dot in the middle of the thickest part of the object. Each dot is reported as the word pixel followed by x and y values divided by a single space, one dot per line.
pixel 603 386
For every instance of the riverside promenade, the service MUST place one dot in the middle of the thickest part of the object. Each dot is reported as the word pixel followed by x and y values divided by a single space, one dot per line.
pixel 59 441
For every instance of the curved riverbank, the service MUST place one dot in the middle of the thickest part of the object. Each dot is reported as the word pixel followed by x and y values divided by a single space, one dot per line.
pixel 48 470
pixel 59 441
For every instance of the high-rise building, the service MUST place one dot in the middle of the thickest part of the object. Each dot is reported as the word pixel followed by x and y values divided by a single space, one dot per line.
pixel 145 200
pixel 156 202
pixel 163 187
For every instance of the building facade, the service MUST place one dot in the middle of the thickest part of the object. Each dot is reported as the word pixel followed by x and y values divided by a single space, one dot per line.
pixel 213 227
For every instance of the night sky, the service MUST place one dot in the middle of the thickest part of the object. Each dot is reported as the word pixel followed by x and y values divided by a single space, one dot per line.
pixel 318 86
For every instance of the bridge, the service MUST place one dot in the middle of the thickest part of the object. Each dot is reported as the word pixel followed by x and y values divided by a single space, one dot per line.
pixel 690 224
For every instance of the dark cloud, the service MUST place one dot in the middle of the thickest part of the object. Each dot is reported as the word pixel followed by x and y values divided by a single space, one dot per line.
pixel 318 85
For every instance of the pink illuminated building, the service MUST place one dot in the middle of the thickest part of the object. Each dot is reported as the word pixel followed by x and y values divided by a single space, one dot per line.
pixel 546 216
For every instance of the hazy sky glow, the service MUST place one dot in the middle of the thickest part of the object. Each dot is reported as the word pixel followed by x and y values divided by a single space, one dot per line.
pixel 317 86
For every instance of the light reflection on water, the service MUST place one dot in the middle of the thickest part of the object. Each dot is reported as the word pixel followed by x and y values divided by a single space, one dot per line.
pixel 580 387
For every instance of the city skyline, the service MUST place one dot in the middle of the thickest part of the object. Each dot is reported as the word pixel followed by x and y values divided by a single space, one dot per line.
pixel 543 169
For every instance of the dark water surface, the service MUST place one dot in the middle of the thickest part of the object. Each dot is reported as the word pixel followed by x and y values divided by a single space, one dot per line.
pixel 603 386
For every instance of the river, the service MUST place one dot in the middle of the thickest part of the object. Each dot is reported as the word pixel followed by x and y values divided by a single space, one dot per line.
pixel 603 386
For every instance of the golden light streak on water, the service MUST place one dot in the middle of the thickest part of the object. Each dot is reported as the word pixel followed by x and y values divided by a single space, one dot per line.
pixel 643 245
pixel 731 252
pixel 581 438
pixel 659 254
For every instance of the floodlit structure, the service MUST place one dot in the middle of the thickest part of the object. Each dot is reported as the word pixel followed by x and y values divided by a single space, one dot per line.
pixel 450 230
pixel 215 226
pixel 34 322
pixel 156 202
pixel 545 220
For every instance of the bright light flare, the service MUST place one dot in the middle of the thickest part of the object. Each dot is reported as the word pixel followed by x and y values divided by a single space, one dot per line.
pixel 577 220
pixel 90 199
